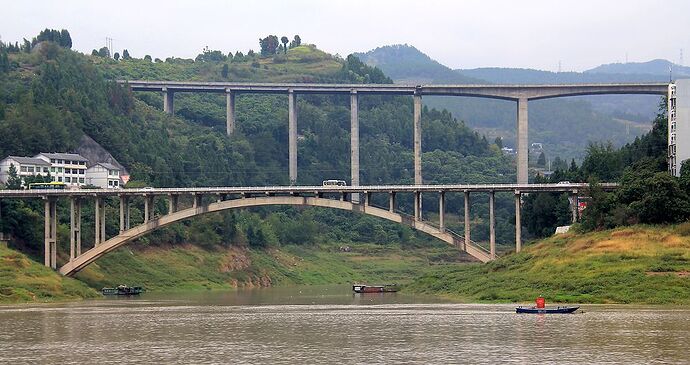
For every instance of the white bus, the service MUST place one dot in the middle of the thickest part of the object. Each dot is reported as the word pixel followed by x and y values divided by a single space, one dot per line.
pixel 334 183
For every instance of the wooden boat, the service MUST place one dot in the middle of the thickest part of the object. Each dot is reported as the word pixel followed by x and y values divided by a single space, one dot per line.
pixel 546 310
pixel 385 288
pixel 123 290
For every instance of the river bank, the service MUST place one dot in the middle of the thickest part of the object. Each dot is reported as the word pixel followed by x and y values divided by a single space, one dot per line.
pixel 639 264
pixel 24 280
pixel 190 267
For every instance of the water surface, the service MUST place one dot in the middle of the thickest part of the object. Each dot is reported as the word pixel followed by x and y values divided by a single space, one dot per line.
pixel 317 325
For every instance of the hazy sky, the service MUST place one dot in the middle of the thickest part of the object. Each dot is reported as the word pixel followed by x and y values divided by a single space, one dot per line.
pixel 460 34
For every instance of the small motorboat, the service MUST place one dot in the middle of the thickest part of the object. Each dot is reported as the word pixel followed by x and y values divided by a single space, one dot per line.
pixel 385 288
pixel 540 308
pixel 123 290
pixel 546 310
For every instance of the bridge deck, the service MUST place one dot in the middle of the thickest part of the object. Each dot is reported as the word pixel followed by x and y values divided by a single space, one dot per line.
pixel 507 92
pixel 308 190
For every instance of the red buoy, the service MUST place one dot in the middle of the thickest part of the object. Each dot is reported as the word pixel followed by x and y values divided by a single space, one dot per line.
pixel 541 302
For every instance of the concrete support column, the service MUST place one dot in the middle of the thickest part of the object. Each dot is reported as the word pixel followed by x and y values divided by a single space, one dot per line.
pixel 417 203
pixel 197 200
pixel 391 201
pixel 99 221
pixel 50 233
pixel 467 218
pixel 124 213
pixel 292 136
pixel 230 113
pixel 148 208
pixel 354 142
pixel 173 203
pixel 417 139
pixel 168 101
pixel 573 206
pixel 518 223
pixel 492 225
pixel 75 228
pixel 522 140
pixel 441 211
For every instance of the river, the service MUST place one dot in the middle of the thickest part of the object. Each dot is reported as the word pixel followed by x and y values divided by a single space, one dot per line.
pixel 329 324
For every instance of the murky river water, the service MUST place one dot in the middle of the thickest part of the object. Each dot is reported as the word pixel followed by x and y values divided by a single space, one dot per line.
pixel 318 325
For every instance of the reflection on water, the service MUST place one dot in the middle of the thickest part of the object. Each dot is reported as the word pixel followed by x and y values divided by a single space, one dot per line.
pixel 330 324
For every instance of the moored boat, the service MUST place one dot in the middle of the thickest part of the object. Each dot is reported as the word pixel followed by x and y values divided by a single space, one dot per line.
pixel 123 290
pixel 385 288
pixel 546 310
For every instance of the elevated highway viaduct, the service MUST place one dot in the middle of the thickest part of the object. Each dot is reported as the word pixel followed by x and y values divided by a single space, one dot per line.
pixel 521 94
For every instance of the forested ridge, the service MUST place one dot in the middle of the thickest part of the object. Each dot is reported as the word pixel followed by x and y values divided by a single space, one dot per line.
pixel 51 96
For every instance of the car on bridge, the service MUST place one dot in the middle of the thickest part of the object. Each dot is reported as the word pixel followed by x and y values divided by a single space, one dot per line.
pixel 334 183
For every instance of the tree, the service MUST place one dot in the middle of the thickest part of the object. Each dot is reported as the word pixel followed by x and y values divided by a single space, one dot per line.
pixel 104 52
pixel 147 58
pixel 125 55
pixel 269 45
pixel 296 42
pixel 14 182
pixel 65 39
pixel 116 56
pixel 284 40
pixel 499 142
pixel 224 71
pixel 541 161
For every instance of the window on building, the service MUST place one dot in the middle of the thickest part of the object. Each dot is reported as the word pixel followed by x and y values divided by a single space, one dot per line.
pixel 67 179
pixel 115 183
pixel 59 169
pixel 52 169
pixel 61 162
pixel 54 178
pixel 81 172
pixel 110 183
pixel 59 178
pixel 68 171
pixel 24 169
pixel 45 169
pixel 81 180
pixel 30 169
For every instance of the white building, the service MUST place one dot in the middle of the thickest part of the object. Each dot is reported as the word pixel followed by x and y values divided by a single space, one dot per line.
pixel 68 168
pixel 26 166
pixel 678 125
pixel 104 175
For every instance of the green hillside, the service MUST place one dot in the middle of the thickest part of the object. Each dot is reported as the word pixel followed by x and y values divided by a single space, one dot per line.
pixel 51 96
pixel 25 280
pixel 640 264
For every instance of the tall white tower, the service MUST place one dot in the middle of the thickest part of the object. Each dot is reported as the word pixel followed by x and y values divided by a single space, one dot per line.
pixel 678 125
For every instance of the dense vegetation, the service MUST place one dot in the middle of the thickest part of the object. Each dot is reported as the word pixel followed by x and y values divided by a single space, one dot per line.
pixel 648 194
pixel 51 96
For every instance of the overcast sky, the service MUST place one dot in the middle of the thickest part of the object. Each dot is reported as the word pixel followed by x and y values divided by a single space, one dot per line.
pixel 581 34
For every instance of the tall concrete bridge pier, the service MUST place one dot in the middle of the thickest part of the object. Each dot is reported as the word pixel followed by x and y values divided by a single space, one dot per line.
pixel 521 94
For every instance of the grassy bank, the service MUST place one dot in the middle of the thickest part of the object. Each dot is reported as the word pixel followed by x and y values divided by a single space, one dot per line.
pixel 641 264
pixel 190 267
pixel 24 280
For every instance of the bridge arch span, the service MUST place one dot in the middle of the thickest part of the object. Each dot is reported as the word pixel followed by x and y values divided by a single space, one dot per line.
pixel 80 262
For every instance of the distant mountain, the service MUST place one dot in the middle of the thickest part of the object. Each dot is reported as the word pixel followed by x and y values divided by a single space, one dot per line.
pixel 656 67
pixel 565 126
pixel 407 64
pixel 529 76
